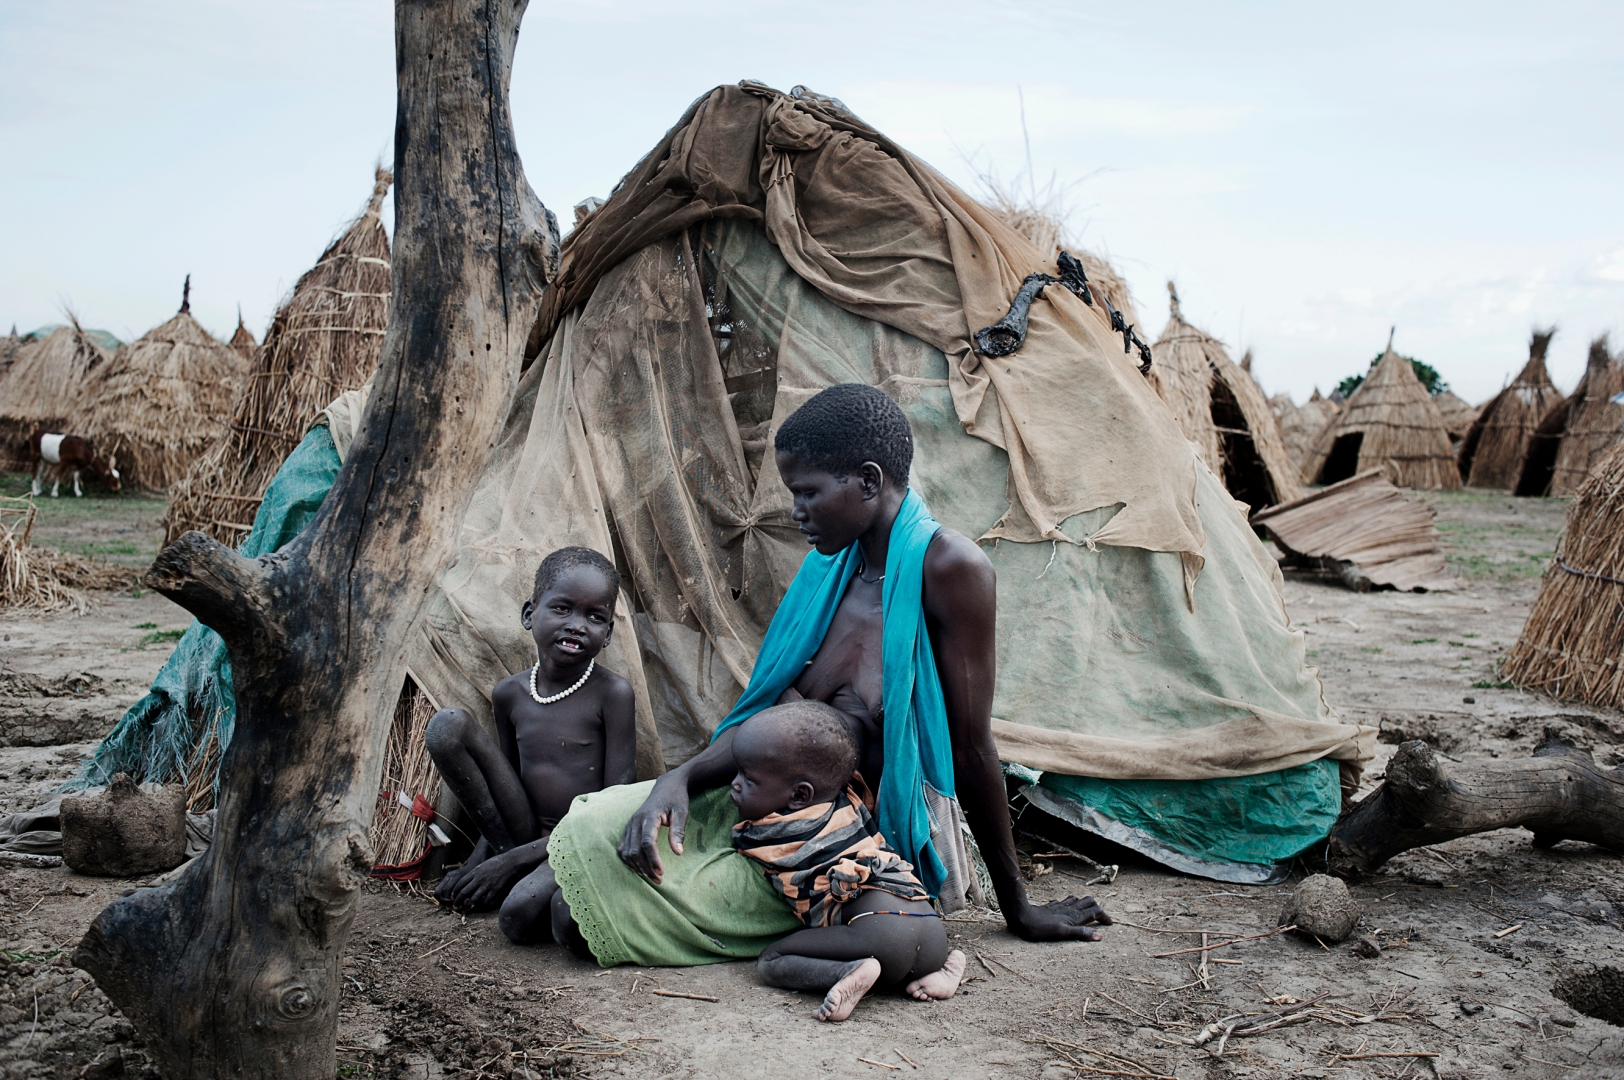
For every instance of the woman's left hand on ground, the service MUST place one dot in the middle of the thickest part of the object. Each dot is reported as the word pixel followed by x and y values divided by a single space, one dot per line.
pixel 1061 920
pixel 484 886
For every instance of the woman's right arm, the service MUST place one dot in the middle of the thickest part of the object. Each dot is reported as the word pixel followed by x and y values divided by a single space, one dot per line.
pixel 667 805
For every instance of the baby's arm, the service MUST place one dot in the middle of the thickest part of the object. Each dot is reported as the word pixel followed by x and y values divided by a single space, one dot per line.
pixel 619 733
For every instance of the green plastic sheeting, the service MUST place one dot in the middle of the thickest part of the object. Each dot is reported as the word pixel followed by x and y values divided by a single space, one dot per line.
pixel 155 740
pixel 1244 819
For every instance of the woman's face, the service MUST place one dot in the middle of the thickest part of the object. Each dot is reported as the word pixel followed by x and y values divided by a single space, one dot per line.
pixel 832 511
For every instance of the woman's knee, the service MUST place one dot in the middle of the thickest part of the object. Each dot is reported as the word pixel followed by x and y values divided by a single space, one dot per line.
pixel 447 732
pixel 526 917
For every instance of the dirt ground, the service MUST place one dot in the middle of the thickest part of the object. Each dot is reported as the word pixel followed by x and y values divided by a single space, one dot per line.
pixel 1476 934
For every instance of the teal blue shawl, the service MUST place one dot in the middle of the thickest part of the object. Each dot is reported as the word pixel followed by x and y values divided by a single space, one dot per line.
pixel 918 750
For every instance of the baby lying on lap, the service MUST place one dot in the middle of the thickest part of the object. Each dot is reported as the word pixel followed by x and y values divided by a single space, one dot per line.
pixel 869 918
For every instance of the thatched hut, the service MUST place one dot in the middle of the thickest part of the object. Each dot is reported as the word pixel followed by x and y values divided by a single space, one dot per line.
pixel 1221 410
pixel 1301 424
pixel 1042 226
pixel 1578 432
pixel 1458 415
pixel 1390 420
pixel 242 339
pixel 42 387
pixel 163 399
pixel 9 346
pixel 324 340
pixel 1572 645
pixel 1492 454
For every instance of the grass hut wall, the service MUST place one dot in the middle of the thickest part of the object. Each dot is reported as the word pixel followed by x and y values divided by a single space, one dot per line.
pixel 1221 410
pixel 1577 434
pixel 1458 415
pixel 1495 446
pixel 1390 419
pixel 242 340
pixel 325 339
pixel 1572 645
pixel 1302 424
pixel 43 387
pixel 162 400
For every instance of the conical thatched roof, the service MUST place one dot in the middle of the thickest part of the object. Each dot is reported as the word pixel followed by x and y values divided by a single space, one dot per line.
pixel 1492 455
pixel 1223 412
pixel 242 340
pixel 1594 424
pixel 9 346
pixel 1572 645
pixel 43 386
pixel 162 400
pixel 1301 424
pixel 1390 420
pixel 324 340
pixel 1458 415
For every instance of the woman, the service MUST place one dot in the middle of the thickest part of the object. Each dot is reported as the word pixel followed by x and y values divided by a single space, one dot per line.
pixel 890 620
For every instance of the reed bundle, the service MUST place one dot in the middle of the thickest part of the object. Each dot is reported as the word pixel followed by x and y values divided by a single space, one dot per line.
pixel 1595 424
pixel 42 387
pixel 400 836
pixel 1223 412
pixel 325 339
pixel 1366 532
pixel 1492 455
pixel 1389 421
pixel 39 579
pixel 161 401
pixel 1572 645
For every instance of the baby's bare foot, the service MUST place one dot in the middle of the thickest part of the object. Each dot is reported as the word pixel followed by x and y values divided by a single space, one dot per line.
pixel 844 995
pixel 940 985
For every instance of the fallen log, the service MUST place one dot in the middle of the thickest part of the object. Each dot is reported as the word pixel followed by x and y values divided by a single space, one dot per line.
pixel 1559 794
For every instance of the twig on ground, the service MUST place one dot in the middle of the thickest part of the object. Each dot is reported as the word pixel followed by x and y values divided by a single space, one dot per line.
pixel 880 1064
pixel 911 1062
pixel 443 944
pixel 1225 944
pixel 690 997
pixel 1011 970
pixel 986 965
pixel 1508 930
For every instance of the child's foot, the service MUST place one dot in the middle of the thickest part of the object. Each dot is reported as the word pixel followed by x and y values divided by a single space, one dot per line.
pixel 940 985
pixel 844 995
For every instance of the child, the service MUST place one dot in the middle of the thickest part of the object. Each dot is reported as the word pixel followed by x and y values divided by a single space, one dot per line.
pixel 563 728
pixel 870 920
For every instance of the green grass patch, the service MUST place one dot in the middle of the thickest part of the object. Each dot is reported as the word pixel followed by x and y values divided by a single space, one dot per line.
pixel 1457 644
pixel 1488 684
pixel 1424 641
pixel 159 637
pixel 1371 648
pixel 145 626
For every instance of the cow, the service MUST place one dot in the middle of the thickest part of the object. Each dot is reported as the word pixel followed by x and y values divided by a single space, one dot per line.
pixel 65 453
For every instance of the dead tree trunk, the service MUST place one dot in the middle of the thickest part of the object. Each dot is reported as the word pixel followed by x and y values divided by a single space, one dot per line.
pixel 1560 793
pixel 233 969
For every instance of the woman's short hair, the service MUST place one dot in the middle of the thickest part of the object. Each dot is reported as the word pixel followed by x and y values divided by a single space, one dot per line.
pixel 846 425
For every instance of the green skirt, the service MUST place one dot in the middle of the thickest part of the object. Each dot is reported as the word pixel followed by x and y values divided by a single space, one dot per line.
pixel 713 905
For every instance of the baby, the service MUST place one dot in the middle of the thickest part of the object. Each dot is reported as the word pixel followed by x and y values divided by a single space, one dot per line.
pixel 869 918
pixel 563 728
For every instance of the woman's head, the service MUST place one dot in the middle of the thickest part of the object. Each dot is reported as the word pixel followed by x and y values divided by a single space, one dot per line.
pixel 844 455
pixel 790 757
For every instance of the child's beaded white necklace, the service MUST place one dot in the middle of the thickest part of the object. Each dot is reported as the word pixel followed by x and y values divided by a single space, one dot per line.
pixel 560 696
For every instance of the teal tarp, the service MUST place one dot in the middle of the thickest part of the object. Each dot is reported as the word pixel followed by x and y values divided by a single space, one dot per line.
pixel 157 737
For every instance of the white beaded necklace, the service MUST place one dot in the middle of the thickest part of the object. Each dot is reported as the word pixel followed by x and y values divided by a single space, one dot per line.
pixel 562 694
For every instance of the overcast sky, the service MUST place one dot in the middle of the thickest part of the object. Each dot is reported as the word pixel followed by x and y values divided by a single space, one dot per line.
pixel 1308 174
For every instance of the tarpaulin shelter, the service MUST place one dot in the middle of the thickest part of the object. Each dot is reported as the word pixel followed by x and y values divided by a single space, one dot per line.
pixel 1495 446
pixel 1390 420
pixel 772 245
pixel 1221 410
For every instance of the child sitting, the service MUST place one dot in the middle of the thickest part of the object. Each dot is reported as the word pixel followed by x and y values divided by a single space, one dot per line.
pixel 563 728
pixel 870 920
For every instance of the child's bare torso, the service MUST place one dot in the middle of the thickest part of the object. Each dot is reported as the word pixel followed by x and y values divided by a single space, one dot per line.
pixel 561 746
pixel 847 672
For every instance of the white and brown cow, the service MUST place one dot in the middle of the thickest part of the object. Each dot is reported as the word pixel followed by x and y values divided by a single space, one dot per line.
pixel 68 454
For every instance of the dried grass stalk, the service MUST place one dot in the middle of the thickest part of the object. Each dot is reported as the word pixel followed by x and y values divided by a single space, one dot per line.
pixel 324 340
pixel 242 340
pixel 162 400
pixel 201 773
pixel 43 387
pixel 1492 455
pixel 398 835
pixel 39 579
pixel 1400 427
pixel 1572 645
pixel 1594 423
pixel 1223 412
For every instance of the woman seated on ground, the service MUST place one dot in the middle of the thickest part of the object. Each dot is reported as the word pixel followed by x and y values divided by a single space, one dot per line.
pixel 884 579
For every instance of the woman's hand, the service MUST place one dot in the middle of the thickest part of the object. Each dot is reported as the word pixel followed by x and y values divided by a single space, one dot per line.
pixel 483 887
pixel 1060 920
pixel 666 805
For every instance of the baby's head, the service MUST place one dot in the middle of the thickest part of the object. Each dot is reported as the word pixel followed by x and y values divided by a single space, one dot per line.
pixel 572 611
pixel 790 757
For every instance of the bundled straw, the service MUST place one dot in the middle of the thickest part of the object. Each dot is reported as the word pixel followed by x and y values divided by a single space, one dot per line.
pixel 1222 411
pixel 39 579
pixel 162 400
pixel 1492 455
pixel 43 387
pixel 1301 425
pixel 399 835
pixel 1594 423
pixel 1572 645
pixel 1389 420
pixel 324 340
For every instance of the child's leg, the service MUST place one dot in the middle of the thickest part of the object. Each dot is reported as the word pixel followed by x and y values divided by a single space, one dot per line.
pixel 484 782
pixel 848 960
pixel 527 913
